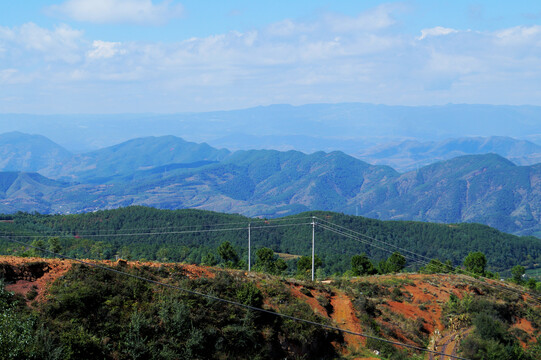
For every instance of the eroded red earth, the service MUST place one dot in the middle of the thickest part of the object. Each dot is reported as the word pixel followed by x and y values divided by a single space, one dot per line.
pixel 423 297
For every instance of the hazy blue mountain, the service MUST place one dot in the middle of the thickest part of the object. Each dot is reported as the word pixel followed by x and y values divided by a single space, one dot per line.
pixel 168 172
pixel 409 155
pixel 136 155
pixel 333 121
pixel 22 191
pixel 257 183
pixel 23 152
pixel 487 189
pixel 319 180
pixel 303 143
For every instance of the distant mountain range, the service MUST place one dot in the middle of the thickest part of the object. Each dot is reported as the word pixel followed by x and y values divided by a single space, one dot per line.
pixel 410 155
pixel 348 127
pixel 403 155
pixel 168 172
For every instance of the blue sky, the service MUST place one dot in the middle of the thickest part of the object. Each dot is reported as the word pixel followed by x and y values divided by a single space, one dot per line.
pixel 132 56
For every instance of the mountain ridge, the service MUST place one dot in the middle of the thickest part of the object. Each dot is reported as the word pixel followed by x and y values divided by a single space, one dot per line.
pixel 473 188
pixel 83 133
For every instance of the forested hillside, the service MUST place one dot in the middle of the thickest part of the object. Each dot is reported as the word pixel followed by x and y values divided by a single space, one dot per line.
pixel 486 189
pixel 194 236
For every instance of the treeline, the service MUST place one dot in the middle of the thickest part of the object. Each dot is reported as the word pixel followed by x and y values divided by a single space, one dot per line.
pixel 192 236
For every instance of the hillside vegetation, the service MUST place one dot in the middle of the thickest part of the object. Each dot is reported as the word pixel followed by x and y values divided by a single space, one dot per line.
pixel 83 312
pixel 183 235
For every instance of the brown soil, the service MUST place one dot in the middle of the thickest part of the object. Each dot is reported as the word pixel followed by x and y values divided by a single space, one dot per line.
pixel 58 267
pixel 286 256
pixel 525 325
pixel 344 317
pixel 310 300
pixel 423 296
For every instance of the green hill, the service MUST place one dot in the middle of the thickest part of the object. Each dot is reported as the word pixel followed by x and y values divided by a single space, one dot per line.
pixel 121 160
pixel 171 235
pixel 486 189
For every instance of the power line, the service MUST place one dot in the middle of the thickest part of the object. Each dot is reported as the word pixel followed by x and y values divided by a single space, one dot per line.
pixel 374 239
pixel 346 232
pixel 173 232
pixel 235 303
pixel 487 281
pixel 340 232
pixel 84 231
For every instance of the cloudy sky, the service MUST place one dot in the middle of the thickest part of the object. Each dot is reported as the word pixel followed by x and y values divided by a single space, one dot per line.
pixel 168 56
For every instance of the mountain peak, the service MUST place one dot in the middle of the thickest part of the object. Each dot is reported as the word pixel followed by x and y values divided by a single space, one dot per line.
pixel 24 152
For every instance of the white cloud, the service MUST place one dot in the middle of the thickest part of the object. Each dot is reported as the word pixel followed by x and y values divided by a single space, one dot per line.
pixel 14 77
pixel 436 31
pixel 365 59
pixel 62 43
pixel 142 12
pixel 520 35
pixel 104 50
pixel 289 27
pixel 378 18
pixel 7 75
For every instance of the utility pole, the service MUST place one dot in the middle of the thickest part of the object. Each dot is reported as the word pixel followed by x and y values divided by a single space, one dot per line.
pixel 313 243
pixel 249 250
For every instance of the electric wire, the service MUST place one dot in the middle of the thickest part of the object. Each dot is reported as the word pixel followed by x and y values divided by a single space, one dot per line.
pixel 373 238
pixel 346 232
pixel 173 232
pixel 85 231
pixel 353 237
pixel 235 303
pixel 489 282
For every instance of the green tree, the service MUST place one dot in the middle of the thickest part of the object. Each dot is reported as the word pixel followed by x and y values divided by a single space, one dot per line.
pixel 54 245
pixel 361 265
pixel 304 265
pixel 228 253
pixel 517 271
pixel 162 254
pixel 476 263
pixel 249 294
pixel 267 261
pixel 393 264
pixel 36 249
pixel 98 250
pixel 209 259
pixel 16 332
pixel 531 284
pixel 281 266
pixel 135 342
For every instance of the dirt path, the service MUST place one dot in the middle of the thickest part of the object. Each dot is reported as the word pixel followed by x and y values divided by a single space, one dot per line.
pixel 344 317
pixel 448 345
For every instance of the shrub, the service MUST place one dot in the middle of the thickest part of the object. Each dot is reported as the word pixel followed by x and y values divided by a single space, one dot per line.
pixel 32 294
pixel 249 294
